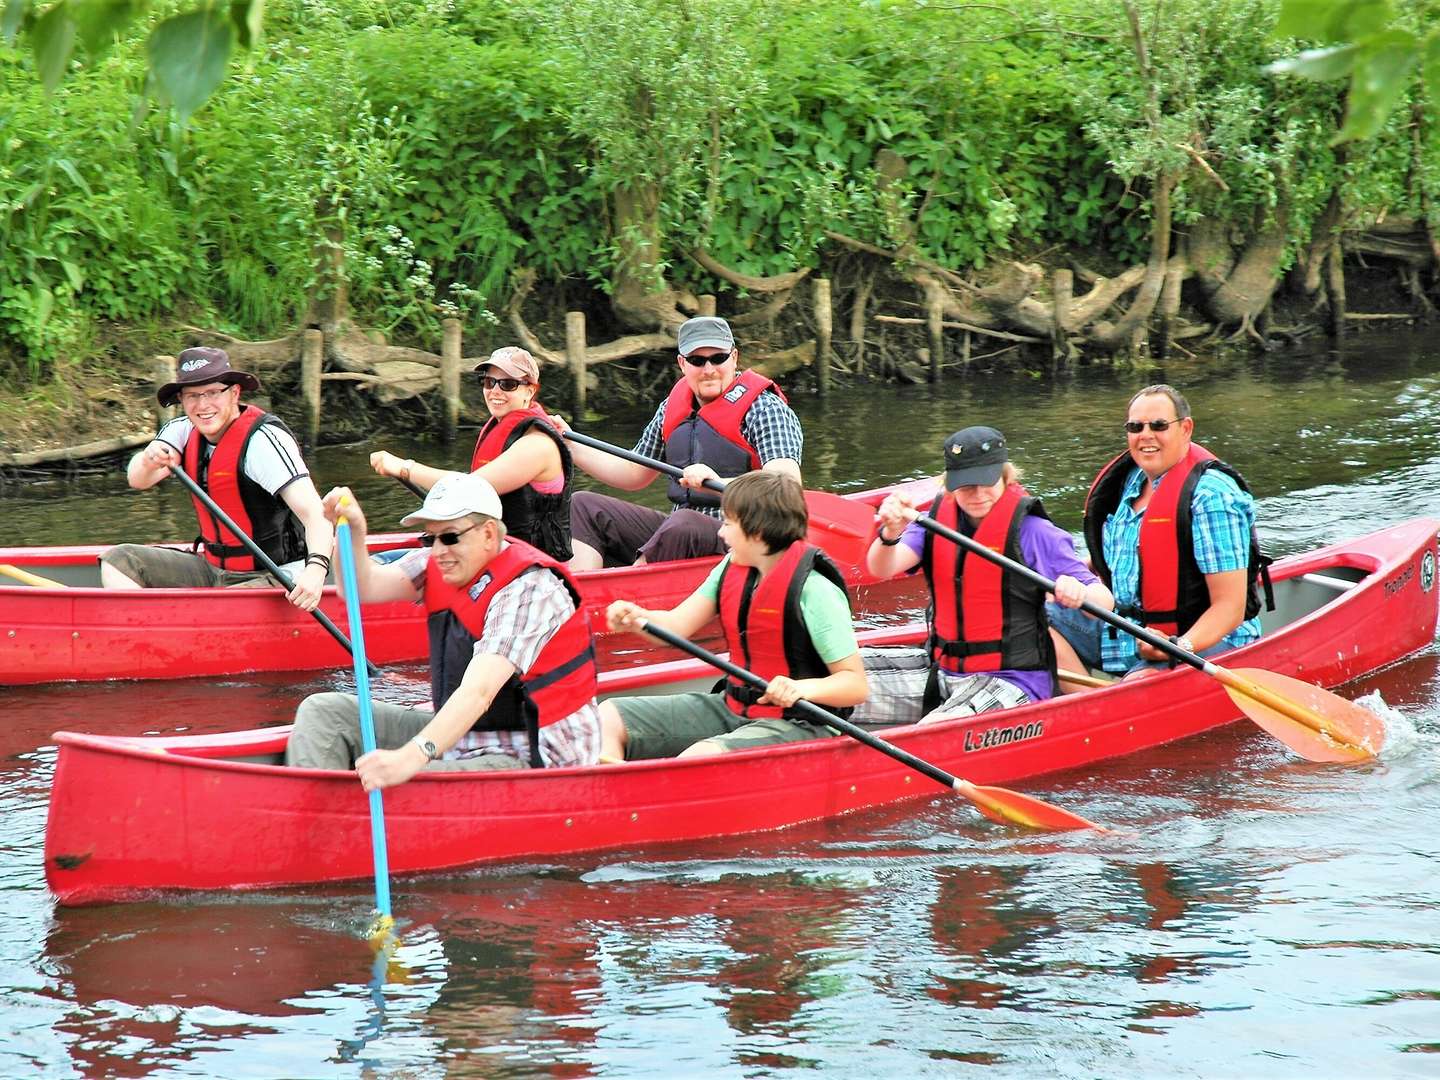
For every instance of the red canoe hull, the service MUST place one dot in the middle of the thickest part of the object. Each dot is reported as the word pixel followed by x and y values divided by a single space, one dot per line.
pixel 92 634
pixel 129 816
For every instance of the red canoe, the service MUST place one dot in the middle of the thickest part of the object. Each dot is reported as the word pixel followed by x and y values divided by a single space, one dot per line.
pixel 86 633
pixel 130 816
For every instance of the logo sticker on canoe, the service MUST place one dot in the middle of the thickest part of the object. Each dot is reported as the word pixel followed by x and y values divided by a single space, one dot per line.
pixel 1003 736
pixel 1427 571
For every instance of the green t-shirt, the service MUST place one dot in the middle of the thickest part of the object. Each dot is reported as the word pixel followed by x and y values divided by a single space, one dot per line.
pixel 823 606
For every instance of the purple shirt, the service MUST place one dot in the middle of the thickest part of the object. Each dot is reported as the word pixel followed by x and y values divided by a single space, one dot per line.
pixel 1048 550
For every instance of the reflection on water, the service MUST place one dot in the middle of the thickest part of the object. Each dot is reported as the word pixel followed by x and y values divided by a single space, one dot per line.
pixel 1251 914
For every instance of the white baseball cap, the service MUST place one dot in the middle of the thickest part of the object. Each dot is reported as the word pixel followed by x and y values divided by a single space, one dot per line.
pixel 453 497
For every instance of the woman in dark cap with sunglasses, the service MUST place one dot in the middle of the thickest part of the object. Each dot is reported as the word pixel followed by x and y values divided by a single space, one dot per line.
pixel 1171 530
pixel 989 645
pixel 519 452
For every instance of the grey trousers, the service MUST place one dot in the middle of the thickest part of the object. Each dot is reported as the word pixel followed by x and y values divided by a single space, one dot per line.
pixel 327 735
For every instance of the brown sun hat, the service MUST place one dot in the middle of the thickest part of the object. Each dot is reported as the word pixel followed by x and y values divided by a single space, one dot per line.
pixel 202 365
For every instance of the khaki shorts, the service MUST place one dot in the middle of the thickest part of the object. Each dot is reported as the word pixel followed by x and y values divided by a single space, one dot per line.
pixel 168 568
pixel 665 725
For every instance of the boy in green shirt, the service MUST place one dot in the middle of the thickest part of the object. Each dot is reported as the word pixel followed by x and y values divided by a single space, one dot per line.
pixel 786 617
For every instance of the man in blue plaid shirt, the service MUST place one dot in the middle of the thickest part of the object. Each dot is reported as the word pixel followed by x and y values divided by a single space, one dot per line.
pixel 1172 509
pixel 716 423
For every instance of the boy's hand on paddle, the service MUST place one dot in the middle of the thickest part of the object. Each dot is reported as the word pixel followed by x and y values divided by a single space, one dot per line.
pixel 625 615
pixel 783 691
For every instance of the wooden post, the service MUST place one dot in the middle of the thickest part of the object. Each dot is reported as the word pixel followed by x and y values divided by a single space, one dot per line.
pixel 450 347
pixel 965 351
pixel 707 303
pixel 822 336
pixel 857 321
pixel 1062 288
pixel 575 356
pixel 165 372
pixel 935 325
pixel 1335 290
pixel 312 357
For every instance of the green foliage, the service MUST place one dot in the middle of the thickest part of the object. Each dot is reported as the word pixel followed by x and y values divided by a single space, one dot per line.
pixel 1376 44
pixel 445 143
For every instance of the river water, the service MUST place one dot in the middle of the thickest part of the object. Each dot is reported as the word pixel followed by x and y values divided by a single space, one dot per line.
pixel 1252 916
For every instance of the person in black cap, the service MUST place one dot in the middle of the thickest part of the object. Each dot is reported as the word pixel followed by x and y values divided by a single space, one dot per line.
pixel 519 451
pixel 989 645
pixel 715 424
pixel 249 463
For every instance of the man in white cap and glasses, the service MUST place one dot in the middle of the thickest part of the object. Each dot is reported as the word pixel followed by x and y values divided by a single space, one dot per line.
pixel 714 424
pixel 519 451
pixel 248 462
pixel 512 662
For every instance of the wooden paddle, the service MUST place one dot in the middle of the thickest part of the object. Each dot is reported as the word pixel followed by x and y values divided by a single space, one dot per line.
pixel 263 559
pixel 27 578
pixel 384 922
pixel 842 528
pixel 1312 721
pixel 996 803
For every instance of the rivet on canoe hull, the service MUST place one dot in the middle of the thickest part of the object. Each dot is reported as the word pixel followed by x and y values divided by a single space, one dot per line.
pixel 852 789
pixel 569 822
pixel 907 779
pixel 295 633
pixel 11 634
pixel 74 633
pixel 634 817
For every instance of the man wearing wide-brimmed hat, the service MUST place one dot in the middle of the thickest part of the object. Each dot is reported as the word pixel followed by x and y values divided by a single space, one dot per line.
pixel 248 462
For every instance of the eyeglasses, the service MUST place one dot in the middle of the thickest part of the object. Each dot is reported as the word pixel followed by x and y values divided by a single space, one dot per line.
pixel 718 359
pixel 449 539
pixel 203 397
pixel 1134 427
pixel 490 382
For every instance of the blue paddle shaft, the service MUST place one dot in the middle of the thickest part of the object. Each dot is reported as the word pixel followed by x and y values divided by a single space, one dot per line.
pixel 351 591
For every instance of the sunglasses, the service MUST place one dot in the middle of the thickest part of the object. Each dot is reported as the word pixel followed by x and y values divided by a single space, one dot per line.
pixel 490 382
pixel 718 359
pixel 1134 427
pixel 449 539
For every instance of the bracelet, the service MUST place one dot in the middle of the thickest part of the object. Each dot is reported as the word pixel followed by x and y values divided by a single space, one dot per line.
pixel 317 557
pixel 1183 642
pixel 880 535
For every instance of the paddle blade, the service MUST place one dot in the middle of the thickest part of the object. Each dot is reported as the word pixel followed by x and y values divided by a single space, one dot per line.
pixel 1012 808
pixel 1347 732
pixel 842 528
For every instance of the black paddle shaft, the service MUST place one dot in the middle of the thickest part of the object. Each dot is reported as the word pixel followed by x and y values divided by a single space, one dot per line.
pixel 264 560
pixel 639 459
pixel 1160 642
pixel 813 711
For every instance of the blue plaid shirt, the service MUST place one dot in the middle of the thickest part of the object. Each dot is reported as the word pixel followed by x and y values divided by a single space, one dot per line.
pixel 770 426
pixel 1222 517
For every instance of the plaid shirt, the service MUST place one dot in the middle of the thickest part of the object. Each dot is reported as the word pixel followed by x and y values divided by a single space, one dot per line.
pixel 770 426
pixel 1222 517
pixel 521 619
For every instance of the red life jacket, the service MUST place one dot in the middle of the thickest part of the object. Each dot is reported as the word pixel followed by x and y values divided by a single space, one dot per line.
pixel 539 519
pixel 264 517
pixel 982 617
pixel 765 630
pixel 562 679
pixel 710 434
pixel 1173 591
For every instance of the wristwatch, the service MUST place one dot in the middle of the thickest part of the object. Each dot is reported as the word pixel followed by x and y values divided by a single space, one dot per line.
pixel 1183 642
pixel 427 747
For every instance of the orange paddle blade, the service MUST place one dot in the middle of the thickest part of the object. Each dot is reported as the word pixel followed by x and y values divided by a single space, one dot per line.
pixel 1012 808
pixel 1312 721
pixel 840 527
